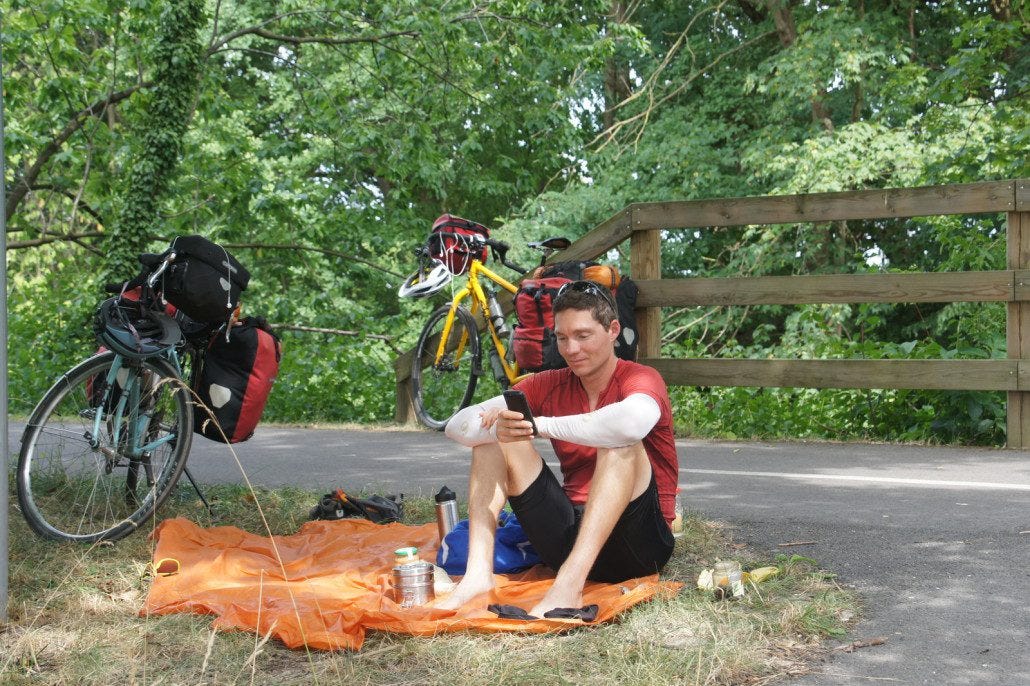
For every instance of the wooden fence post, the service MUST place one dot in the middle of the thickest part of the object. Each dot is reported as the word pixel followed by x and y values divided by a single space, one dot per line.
pixel 405 413
pixel 646 263
pixel 1017 329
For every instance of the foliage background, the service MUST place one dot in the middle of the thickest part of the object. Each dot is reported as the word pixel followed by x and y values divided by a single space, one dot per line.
pixel 320 141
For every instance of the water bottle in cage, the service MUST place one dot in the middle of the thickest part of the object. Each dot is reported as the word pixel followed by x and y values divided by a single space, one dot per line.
pixel 497 367
pixel 497 315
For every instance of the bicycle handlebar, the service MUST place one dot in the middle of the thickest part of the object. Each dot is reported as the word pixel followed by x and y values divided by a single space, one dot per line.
pixel 154 265
pixel 501 253
pixel 156 274
pixel 501 248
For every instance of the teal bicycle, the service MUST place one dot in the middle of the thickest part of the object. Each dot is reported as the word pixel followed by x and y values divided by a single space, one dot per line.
pixel 108 442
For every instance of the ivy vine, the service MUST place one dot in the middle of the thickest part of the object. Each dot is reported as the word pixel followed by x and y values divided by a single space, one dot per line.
pixel 177 58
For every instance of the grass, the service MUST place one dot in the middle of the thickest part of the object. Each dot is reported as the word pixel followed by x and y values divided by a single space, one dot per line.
pixel 73 619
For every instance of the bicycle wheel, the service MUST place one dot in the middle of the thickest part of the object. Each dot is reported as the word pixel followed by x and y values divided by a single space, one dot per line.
pixel 97 458
pixel 440 390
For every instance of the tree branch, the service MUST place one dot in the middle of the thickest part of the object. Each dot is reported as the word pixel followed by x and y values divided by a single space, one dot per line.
pixel 324 251
pixel 54 238
pixel 338 332
pixel 609 135
pixel 77 199
pixel 260 30
pixel 28 179
pixel 187 210
pixel 330 40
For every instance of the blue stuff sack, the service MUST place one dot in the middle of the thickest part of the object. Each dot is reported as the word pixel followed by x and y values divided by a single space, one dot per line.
pixel 512 550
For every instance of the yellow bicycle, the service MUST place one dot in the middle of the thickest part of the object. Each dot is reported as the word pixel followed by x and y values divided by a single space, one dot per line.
pixel 448 356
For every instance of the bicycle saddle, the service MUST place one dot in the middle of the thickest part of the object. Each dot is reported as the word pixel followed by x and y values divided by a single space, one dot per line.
pixel 150 259
pixel 555 243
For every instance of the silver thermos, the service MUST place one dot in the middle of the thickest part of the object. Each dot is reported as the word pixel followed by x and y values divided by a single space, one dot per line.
pixel 446 511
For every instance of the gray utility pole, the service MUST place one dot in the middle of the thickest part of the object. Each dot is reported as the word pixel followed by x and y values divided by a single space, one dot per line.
pixel 3 358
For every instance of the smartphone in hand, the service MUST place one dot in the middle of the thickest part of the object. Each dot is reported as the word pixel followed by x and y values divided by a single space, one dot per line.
pixel 516 401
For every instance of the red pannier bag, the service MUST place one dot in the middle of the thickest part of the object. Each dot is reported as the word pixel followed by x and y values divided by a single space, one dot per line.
pixel 535 346
pixel 456 242
pixel 234 381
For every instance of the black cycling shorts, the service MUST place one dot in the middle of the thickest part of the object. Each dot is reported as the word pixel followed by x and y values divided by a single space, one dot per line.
pixel 639 545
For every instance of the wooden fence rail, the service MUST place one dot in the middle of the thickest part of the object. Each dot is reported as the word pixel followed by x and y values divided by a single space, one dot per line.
pixel 642 224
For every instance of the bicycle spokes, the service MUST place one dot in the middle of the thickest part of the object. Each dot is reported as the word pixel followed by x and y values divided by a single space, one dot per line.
pixel 442 387
pixel 103 449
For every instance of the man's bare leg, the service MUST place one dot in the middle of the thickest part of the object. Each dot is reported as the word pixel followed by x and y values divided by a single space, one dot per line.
pixel 495 474
pixel 621 474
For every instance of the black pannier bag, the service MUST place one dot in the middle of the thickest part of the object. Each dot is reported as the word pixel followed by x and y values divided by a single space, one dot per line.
pixel 626 305
pixel 235 379
pixel 205 281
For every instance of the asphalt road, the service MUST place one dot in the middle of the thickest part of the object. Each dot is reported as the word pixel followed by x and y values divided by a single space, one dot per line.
pixel 936 540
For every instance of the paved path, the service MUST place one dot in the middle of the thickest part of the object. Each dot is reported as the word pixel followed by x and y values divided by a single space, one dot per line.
pixel 936 540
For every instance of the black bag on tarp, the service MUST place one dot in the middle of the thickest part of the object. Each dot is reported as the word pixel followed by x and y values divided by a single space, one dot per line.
pixel 235 379
pixel 205 281
pixel 376 508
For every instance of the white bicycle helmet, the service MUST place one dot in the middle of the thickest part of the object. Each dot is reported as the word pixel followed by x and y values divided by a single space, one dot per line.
pixel 428 280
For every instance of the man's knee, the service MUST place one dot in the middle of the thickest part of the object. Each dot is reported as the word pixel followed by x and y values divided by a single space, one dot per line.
pixel 486 451
pixel 628 461
pixel 521 451
pixel 633 453
pixel 524 465
pixel 521 462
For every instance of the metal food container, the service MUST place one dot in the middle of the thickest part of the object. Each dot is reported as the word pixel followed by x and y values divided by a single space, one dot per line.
pixel 413 584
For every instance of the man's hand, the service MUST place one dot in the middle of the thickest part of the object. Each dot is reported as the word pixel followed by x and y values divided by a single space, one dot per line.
pixel 511 427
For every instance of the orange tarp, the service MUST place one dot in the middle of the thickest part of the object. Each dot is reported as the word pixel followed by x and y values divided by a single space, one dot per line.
pixel 337 584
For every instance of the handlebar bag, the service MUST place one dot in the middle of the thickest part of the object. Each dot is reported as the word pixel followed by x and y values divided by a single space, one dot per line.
pixel 205 281
pixel 234 380
pixel 456 242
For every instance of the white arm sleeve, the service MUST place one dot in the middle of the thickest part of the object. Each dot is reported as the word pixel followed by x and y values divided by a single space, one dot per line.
pixel 612 426
pixel 466 427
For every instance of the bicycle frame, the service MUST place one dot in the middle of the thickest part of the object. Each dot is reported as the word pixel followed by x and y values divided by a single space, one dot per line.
pixel 474 290
pixel 130 397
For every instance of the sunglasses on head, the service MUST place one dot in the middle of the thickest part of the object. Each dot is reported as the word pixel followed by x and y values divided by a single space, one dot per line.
pixel 589 287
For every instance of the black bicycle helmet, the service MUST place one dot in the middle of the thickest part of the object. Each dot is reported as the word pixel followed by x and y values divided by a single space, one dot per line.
pixel 134 331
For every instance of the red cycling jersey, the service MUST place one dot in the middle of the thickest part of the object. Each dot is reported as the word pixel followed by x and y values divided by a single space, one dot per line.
pixel 559 393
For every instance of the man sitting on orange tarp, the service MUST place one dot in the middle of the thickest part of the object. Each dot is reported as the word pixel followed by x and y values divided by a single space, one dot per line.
pixel 327 584
pixel 610 424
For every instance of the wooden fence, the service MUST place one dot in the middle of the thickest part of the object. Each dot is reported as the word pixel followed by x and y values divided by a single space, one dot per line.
pixel 642 224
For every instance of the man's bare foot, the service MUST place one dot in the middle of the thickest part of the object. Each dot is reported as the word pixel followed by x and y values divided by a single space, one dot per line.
pixel 466 590
pixel 558 596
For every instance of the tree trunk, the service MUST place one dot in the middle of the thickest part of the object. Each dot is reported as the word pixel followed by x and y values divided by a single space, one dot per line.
pixel 784 21
pixel 616 73
pixel 177 58
pixel 1002 11
pixel 787 30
